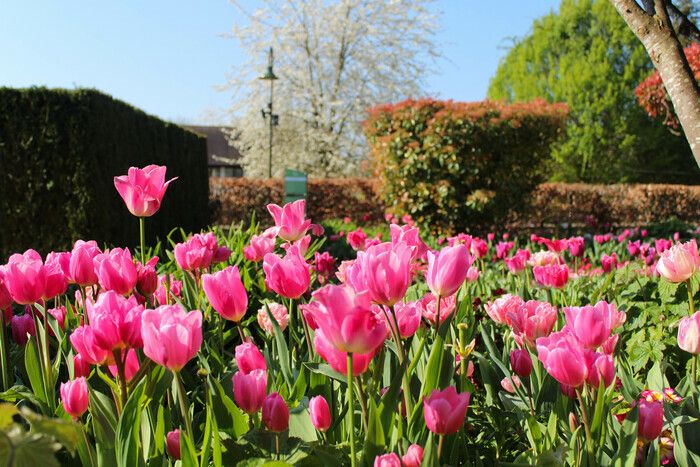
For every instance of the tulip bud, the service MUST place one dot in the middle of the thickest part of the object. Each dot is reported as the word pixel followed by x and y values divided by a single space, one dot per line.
pixel 413 456
pixel 74 396
pixel 320 413
pixel 147 281
pixel 249 390
pixel 651 419
pixel 81 368
pixel 172 444
pixel 249 358
pixel 22 327
pixel 521 363
pixel 573 422
pixel 387 460
pixel 275 413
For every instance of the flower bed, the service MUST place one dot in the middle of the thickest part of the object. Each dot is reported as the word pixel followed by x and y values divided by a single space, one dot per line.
pixel 252 346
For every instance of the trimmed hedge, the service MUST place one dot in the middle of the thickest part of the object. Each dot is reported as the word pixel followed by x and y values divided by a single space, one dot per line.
pixel 451 164
pixel 549 206
pixel 59 153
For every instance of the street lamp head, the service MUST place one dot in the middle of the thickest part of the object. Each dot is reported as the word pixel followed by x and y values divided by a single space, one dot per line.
pixel 269 75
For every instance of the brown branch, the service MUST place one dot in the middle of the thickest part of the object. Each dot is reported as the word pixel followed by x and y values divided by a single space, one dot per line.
pixel 685 26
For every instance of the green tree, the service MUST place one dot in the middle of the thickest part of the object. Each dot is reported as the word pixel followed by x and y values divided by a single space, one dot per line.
pixel 586 56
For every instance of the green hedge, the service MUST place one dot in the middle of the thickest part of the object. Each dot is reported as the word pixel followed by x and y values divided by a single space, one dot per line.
pixel 59 153
pixel 455 165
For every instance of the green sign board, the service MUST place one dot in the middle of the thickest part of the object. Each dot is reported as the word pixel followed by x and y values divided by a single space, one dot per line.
pixel 294 185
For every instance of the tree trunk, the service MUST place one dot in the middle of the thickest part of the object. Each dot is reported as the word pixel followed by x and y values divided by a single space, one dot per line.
pixel 658 37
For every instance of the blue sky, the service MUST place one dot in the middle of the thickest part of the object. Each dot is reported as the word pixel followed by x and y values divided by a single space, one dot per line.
pixel 167 57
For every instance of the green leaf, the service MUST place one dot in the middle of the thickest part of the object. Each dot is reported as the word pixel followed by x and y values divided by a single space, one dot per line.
pixel 375 442
pixel 64 431
pixel 7 411
pixel 21 449
pixel 128 429
pixel 33 368
pixel 282 350
pixel 627 442
pixel 325 370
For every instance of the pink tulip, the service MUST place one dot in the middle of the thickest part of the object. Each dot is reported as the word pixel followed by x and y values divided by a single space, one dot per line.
pixel 172 444
pixel 80 367
pixel 408 316
pixel 197 252
pixel 249 390
pixel 385 271
pixel 600 367
pixel 5 296
pixel 679 262
pixel 651 419
pixel 81 268
pixel 503 248
pixel 444 411
pixel 509 386
pixel 164 295
pixel 520 362
pixel 479 247
pixel 116 321
pixel 275 413
pixel 662 244
pixel 609 262
pixel 518 262
pixel 221 255
pixel 500 308
pixel 143 189
pixel 576 246
pixel 56 281
pixel 413 456
pixel 171 336
pixel 324 264
pixel 590 325
pixel 25 277
pixel 428 307
pixel 290 222
pixel 563 358
pixel 473 274
pixel 544 258
pixel 259 246
pixel 116 271
pixel 22 327
pixel 532 320
pixel 279 312
pixel 320 413
pixel 74 397
pixel 84 342
pixel 147 277
pixel 131 366
pixel 249 358
pixel 337 359
pixel 347 320
pixel 59 314
pixel 356 239
pixel 288 276
pixel 554 275
pixel 387 460
pixel 410 236
pixel 447 270
pixel 689 333
pixel 226 293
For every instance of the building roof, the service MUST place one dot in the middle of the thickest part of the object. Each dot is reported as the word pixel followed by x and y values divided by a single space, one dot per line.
pixel 219 151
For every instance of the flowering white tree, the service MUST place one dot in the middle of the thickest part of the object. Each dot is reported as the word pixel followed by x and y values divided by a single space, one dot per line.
pixel 334 59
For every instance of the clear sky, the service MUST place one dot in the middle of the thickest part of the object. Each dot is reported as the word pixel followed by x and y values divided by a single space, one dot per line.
pixel 168 56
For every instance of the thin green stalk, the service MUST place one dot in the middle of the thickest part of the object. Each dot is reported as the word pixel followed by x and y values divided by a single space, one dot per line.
pixel 3 354
pixel 691 301
pixel 121 375
pixel 351 411
pixel 142 231
pixel 441 439
pixel 437 315
pixel 182 397
pixel 586 426
pixel 405 379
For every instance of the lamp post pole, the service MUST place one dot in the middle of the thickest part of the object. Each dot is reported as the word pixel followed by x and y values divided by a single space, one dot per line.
pixel 267 113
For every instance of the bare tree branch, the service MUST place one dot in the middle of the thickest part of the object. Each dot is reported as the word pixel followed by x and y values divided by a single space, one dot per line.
pixel 685 27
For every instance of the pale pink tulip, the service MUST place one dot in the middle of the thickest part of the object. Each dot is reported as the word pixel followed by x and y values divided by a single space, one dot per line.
pixel 143 189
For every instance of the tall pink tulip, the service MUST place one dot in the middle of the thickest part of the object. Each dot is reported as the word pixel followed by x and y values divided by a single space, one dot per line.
pixel 171 336
pixel 249 358
pixel 444 411
pixel 576 246
pixel 320 413
pixel 447 270
pixel 651 418
pixel 290 220
pixel 74 397
pixel 249 390
pixel 532 320
pixel 259 246
pixel 288 276
pixel 591 325
pixel 56 281
pixel 116 270
pixel 5 296
pixel 226 293
pixel 689 333
pixel 553 275
pixel 81 269
pixel 116 321
pixel 143 189
pixel 563 358
pixel 679 263
pixel 25 277
pixel 609 262
pixel 385 271
pixel 197 252
pixel 80 366
pixel 347 320
pixel 275 413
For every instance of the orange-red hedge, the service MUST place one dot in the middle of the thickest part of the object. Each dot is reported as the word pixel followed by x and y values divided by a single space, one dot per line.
pixel 550 203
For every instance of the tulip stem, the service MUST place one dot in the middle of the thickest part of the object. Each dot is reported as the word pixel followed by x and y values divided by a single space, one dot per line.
pixel 351 411
pixel 182 398
pixel 405 379
pixel 691 301
pixel 441 439
pixel 437 315
pixel 277 445
pixel 584 416
pixel 3 354
pixel 142 231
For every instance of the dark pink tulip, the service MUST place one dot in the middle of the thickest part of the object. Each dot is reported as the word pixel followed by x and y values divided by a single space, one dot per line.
pixel 591 325
pixel 290 221
pixel 520 362
pixel 413 456
pixel 275 413
pixel 500 308
pixel 56 282
pixel 5 297
pixel 221 255
pixel 503 248
pixel 25 277
pixel 84 342
pixel 259 246
pixel 147 281
pixel 131 365
pixel 143 189
pixel 116 271
pixel 116 321
pixel 576 246
pixel 197 252
pixel 59 314
pixel 171 336
pixel 387 460
pixel 337 359
pixel 518 262
pixel 634 248
pixel 320 413
pixel 172 444
pixel 347 321
pixel 531 320
pixel 81 266
pixel 80 367
pixel 609 262
pixel 600 368
pixel 479 247
pixel 447 270
pixel 651 418
pixel 444 411
pixel 74 397
pixel 553 275
pixel 249 390
pixel 249 358
pixel 385 272
pixel 22 327
pixel 324 264
pixel 288 276
pixel 356 239
pixel 226 293
pixel 563 358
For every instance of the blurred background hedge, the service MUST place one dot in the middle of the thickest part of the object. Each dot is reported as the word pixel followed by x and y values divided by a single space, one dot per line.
pixel 452 165
pixel 59 153
pixel 579 206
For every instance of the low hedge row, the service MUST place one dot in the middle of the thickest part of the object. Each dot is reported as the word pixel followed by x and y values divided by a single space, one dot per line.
pixel 550 204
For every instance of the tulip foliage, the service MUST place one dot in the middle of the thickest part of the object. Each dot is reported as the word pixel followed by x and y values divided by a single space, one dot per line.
pixel 249 346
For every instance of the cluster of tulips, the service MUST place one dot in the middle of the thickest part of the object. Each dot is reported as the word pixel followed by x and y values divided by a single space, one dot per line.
pixel 369 360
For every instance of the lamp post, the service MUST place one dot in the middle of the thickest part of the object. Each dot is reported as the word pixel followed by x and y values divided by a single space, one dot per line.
pixel 267 113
